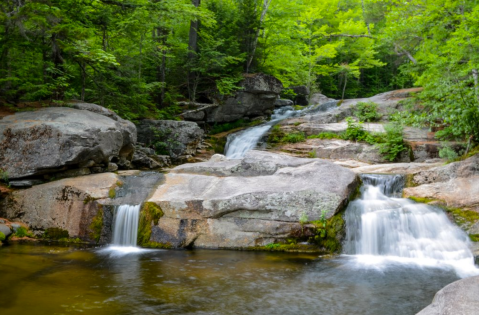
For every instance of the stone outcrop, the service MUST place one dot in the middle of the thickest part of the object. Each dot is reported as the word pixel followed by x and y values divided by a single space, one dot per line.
pixel 82 206
pixel 256 98
pixel 178 139
pixel 338 150
pixel 57 139
pixel 466 168
pixel 457 298
pixel 283 103
pixel 146 158
pixel 250 202
pixel 302 95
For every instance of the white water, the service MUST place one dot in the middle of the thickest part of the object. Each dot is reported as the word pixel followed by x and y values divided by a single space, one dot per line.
pixel 241 142
pixel 125 231
pixel 381 228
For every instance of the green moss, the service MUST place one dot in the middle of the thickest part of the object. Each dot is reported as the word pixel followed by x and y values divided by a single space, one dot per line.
pixel 410 181
pixel 474 237
pixel 278 136
pixel 278 247
pixel 329 237
pixel 119 183
pixel 55 234
pixel 150 213
pixel 325 135
pixel 218 144
pixel 157 245
pixel 112 193
pixel 2 237
pixel 88 199
pixel 421 200
pixel 22 232
pixel 97 225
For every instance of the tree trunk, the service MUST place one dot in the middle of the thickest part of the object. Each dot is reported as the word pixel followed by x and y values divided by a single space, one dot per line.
pixel 254 44
pixel 193 54
pixel 475 75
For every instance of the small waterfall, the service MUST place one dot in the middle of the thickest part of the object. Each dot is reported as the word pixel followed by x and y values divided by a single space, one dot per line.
pixel 381 225
pixel 125 225
pixel 241 142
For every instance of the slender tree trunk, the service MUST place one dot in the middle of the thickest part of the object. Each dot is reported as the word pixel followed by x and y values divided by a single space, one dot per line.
pixel 254 44
pixel 161 34
pixel 345 83
pixel 83 75
pixel 475 75
pixel 193 54
pixel 58 62
pixel 364 17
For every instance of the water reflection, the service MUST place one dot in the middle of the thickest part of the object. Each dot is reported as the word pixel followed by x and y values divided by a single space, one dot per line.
pixel 54 280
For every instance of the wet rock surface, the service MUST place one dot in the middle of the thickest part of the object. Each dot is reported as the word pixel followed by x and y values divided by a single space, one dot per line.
pixel 250 202
pixel 457 298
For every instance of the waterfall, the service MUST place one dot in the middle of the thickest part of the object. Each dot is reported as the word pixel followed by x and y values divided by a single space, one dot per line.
pixel 241 142
pixel 381 225
pixel 125 225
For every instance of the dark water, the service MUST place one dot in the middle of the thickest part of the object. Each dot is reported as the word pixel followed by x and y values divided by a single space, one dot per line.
pixel 39 279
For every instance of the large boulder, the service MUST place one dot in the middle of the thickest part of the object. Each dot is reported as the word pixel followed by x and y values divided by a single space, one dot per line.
pixel 250 202
pixel 457 298
pixel 178 139
pixel 256 98
pixel 58 138
pixel 302 94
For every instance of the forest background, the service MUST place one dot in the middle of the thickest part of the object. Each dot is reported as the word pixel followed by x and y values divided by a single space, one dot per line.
pixel 140 57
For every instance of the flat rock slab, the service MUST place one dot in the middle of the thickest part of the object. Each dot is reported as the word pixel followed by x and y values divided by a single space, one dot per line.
pixel 312 128
pixel 395 168
pixel 254 201
pixel 457 298
pixel 456 193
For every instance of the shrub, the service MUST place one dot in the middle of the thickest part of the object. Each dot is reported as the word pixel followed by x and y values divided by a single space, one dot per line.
pixel 22 232
pixel 293 137
pixel 446 152
pixel 354 131
pixel 55 234
pixel 367 111
pixel 325 135
pixel 393 143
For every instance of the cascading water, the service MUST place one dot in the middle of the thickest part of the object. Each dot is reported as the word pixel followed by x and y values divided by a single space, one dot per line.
pixel 239 143
pixel 381 226
pixel 125 225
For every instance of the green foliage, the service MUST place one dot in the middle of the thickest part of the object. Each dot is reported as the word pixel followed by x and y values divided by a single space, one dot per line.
pixel 446 152
pixel 312 154
pixel 112 193
pixel 272 246
pixel 2 237
pixel 55 234
pixel 219 128
pixel 325 135
pixel 303 218
pixel 294 137
pixel 393 144
pixel 278 136
pixel 23 232
pixel 288 94
pixel 367 111
pixel 354 131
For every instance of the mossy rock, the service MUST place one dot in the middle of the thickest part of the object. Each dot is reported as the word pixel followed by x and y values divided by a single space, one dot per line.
pixel 150 213
pixel 329 237
pixel 56 234
pixel 96 225
pixel 157 245
pixel 2 237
